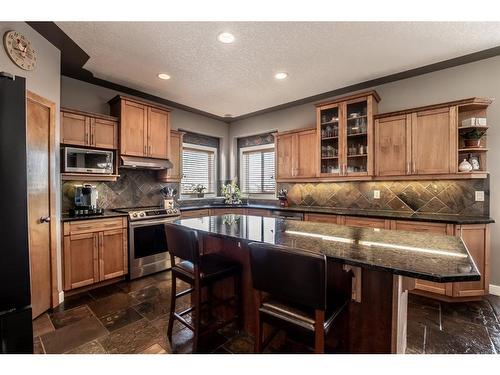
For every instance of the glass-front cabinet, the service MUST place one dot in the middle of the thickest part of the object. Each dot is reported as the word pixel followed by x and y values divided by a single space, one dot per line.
pixel 345 133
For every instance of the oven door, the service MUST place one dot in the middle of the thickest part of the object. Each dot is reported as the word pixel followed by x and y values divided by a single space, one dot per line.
pixel 148 251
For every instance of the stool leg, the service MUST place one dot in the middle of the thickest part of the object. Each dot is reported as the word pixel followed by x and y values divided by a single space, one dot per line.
pixel 319 332
pixel 258 323
pixel 196 315
pixel 239 300
pixel 172 308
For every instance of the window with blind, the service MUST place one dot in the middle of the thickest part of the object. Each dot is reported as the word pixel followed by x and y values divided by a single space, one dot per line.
pixel 199 165
pixel 257 170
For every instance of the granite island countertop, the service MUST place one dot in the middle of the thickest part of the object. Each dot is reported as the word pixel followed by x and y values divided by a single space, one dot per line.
pixel 436 218
pixel 425 256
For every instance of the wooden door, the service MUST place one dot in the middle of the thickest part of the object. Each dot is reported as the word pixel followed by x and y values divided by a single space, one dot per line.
pixel 133 125
pixel 393 146
pixel 304 151
pixel 41 200
pixel 104 134
pixel 477 239
pixel 158 133
pixel 434 144
pixel 75 129
pixel 112 254
pixel 81 260
pixel 284 152
pixel 444 289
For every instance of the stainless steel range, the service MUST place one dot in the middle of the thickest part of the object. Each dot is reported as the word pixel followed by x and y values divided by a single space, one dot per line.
pixel 147 241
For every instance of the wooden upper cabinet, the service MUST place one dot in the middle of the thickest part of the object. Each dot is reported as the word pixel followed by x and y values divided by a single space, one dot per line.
pixel 144 127
pixel 88 129
pixel 173 174
pixel 104 133
pixel 392 146
pixel 296 152
pixel 134 129
pixel 304 150
pixel 284 155
pixel 158 133
pixel 345 136
pixel 433 135
pixel 75 129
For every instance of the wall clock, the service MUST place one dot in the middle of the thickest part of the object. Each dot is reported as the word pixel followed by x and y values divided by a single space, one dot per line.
pixel 20 50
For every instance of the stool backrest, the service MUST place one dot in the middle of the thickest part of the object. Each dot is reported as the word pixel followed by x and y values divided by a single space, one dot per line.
pixel 182 242
pixel 291 274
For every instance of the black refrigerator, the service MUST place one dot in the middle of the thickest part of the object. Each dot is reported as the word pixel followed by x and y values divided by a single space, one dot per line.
pixel 16 332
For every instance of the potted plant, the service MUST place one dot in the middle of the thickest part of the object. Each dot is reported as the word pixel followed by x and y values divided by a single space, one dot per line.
pixel 472 138
pixel 199 190
pixel 231 193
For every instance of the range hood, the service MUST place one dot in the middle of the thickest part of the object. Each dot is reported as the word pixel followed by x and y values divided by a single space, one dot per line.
pixel 144 163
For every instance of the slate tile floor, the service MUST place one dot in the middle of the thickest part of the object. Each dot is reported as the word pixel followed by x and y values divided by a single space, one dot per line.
pixel 131 317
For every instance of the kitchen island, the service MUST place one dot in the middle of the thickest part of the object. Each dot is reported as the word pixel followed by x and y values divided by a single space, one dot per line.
pixel 375 267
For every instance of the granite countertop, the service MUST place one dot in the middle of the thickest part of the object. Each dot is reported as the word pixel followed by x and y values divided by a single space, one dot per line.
pixel 107 214
pixel 424 256
pixel 436 218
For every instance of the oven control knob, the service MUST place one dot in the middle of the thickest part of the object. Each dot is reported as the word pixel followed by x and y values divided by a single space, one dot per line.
pixel 142 214
pixel 134 214
pixel 169 211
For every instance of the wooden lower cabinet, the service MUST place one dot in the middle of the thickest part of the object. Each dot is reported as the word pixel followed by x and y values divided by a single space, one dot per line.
pixel 227 211
pixel 195 213
pixel 258 212
pixel 93 253
pixel 323 218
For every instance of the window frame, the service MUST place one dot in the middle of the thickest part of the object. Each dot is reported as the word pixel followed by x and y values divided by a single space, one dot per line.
pixel 196 147
pixel 249 149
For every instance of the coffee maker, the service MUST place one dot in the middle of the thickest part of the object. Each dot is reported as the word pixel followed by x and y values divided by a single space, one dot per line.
pixel 86 201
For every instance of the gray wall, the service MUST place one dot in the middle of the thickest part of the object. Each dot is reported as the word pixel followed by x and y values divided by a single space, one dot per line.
pixel 480 78
pixel 44 80
pixel 84 96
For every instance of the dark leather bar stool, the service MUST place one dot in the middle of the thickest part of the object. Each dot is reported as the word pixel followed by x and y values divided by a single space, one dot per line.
pixel 293 283
pixel 198 271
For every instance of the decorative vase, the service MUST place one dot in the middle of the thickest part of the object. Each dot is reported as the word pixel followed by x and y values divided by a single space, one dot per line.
pixel 474 162
pixel 465 166
pixel 472 143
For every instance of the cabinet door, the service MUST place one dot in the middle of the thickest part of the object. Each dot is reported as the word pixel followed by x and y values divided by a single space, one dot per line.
pixel 392 146
pixel 364 222
pixel 104 134
pixel 284 152
pixel 258 212
pixel 444 289
pixel 477 240
pixel 75 129
pixel 133 125
pixel 195 213
pixel 304 151
pixel 227 211
pixel 80 260
pixel 112 254
pixel 434 142
pixel 175 152
pixel 158 133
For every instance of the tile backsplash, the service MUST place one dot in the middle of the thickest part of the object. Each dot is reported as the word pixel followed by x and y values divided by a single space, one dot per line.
pixel 134 188
pixel 440 196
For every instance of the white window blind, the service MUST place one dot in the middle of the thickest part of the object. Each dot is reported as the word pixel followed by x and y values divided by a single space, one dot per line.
pixel 198 167
pixel 258 171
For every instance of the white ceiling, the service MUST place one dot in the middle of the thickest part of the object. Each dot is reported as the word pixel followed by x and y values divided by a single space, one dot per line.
pixel 237 78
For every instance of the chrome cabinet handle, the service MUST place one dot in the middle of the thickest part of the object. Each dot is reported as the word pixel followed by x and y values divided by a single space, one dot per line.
pixel 408 168
pixel 414 168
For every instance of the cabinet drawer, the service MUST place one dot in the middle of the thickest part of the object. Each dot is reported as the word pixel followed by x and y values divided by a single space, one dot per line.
pixel 332 219
pixel 258 212
pixel 364 222
pixel 227 211
pixel 88 226
pixel 195 213
pixel 415 226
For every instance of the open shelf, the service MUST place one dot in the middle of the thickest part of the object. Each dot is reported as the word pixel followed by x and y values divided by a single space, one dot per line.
pixel 329 157
pixel 327 138
pixel 473 149
pixel 357 134
pixel 357 156
pixel 330 122
pixel 473 127
pixel 355 118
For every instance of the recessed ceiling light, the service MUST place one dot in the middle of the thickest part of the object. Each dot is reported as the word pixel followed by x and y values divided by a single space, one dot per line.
pixel 281 75
pixel 225 37
pixel 163 76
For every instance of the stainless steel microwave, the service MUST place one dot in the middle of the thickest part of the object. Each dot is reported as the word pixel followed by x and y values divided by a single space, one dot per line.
pixel 83 160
